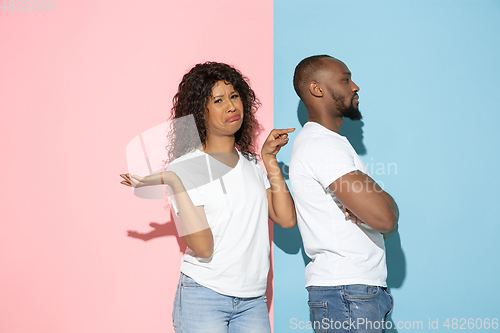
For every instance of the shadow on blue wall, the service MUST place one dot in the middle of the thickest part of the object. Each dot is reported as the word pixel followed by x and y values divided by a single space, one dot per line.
pixel 290 241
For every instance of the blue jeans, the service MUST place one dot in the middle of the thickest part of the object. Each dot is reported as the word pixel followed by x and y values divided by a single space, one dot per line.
pixel 198 309
pixel 351 308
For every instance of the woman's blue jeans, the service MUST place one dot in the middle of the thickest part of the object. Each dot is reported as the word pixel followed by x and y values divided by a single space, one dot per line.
pixel 350 308
pixel 198 309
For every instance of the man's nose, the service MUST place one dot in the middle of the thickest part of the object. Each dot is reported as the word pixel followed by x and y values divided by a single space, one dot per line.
pixel 354 87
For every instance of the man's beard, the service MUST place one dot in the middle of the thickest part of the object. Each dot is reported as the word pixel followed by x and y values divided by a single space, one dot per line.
pixel 350 111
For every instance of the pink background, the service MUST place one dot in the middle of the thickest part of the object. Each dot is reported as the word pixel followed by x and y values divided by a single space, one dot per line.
pixel 76 85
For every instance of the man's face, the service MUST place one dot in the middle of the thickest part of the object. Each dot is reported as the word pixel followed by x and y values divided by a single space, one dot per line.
pixel 342 90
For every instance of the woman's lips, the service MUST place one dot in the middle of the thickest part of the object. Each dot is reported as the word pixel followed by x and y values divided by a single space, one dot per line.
pixel 233 118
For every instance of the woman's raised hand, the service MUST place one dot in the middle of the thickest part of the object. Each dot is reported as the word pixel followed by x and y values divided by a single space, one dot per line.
pixel 276 139
pixel 131 180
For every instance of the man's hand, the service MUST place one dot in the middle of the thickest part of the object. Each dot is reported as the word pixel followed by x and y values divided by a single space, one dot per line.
pixel 356 220
pixel 350 216
pixel 366 200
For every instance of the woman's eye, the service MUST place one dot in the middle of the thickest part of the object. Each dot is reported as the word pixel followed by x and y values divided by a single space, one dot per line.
pixel 218 100
pixel 235 96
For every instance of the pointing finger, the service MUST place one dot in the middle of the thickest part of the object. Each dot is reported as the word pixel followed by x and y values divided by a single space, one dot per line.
pixel 283 131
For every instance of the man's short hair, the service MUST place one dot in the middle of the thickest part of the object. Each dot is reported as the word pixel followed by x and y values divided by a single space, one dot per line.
pixel 305 70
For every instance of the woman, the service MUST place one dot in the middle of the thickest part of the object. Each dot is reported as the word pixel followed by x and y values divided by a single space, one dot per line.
pixel 223 200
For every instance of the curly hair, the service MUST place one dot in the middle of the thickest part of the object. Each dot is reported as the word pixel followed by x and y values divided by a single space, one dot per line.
pixel 191 98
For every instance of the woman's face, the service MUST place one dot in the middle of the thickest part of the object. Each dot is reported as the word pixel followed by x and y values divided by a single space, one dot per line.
pixel 224 110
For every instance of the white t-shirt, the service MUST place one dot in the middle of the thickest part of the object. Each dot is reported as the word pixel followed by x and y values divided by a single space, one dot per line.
pixel 342 253
pixel 237 212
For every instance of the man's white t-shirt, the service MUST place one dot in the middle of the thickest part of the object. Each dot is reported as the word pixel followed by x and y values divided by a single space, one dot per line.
pixel 342 253
pixel 235 203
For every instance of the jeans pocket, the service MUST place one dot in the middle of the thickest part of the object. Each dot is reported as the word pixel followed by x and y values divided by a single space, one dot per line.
pixel 319 311
pixel 361 291
pixel 392 302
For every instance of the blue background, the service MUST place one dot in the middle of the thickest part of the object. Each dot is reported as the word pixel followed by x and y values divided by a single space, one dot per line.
pixel 428 73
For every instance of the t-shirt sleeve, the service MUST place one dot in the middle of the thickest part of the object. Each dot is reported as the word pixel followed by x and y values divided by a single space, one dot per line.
pixel 328 159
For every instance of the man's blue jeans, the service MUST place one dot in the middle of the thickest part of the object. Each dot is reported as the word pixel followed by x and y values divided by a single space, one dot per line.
pixel 351 308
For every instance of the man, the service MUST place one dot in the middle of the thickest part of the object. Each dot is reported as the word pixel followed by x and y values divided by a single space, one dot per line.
pixel 342 213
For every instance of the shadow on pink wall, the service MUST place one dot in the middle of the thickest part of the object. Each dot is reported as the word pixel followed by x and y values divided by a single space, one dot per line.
pixel 166 229
pixel 159 230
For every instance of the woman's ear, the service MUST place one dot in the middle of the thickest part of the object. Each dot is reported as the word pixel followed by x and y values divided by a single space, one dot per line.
pixel 315 89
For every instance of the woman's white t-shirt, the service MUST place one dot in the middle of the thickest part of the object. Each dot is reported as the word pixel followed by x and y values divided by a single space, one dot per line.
pixel 235 203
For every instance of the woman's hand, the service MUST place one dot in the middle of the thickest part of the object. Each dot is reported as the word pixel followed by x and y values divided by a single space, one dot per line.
pixel 132 180
pixel 281 206
pixel 276 139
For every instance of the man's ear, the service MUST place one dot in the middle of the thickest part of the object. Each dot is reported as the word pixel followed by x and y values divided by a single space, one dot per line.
pixel 315 89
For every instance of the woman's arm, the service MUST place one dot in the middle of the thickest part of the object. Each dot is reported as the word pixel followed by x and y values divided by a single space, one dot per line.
pixel 281 206
pixel 193 226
